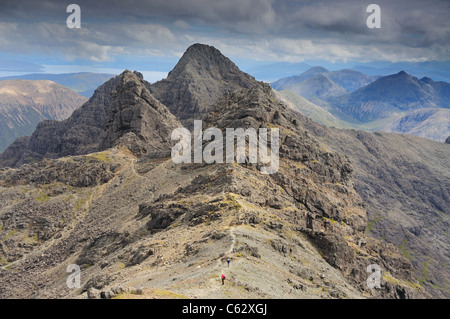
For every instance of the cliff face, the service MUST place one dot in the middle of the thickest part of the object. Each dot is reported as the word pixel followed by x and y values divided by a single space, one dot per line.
pixel 120 208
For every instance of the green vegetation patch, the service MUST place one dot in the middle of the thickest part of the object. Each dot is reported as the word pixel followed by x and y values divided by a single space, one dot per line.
pixel 371 223
pixel 42 196
pixel 403 247
pixel 232 202
pixel 389 278
pixel 102 157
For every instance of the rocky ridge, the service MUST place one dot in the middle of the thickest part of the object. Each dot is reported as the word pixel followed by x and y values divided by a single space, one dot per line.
pixel 121 111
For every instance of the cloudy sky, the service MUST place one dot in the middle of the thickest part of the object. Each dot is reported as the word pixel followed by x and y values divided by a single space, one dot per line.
pixel 150 36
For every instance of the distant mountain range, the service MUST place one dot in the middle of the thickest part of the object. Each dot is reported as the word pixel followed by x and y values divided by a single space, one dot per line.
pixel 373 102
pixel 274 71
pixel 83 83
pixel 320 82
pixel 287 82
pixel 393 94
pixel 24 103
pixel 437 70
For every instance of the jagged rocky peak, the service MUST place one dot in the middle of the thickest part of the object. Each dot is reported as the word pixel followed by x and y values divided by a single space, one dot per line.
pixel 206 60
pixel 198 80
pixel 137 119
pixel 122 111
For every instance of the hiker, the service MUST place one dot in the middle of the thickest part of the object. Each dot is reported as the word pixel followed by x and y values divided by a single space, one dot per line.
pixel 223 279
pixel 228 262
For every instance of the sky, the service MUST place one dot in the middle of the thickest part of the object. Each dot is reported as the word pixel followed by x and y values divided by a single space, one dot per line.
pixel 150 36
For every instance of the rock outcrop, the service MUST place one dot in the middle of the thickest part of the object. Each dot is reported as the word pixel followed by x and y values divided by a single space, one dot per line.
pixel 121 111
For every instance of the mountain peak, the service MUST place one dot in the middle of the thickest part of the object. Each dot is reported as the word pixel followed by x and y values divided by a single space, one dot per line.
pixel 199 79
pixel 24 103
pixel 402 73
pixel 128 73
pixel 316 70
pixel 136 118
pixel 199 48
pixel 426 80
pixel 111 85
pixel 393 93
pixel 203 60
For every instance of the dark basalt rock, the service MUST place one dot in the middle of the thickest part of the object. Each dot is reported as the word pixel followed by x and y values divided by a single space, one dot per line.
pixel 121 112
pixel 77 172
pixel 199 79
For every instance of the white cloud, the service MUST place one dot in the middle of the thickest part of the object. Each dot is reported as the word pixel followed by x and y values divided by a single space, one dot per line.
pixel 181 24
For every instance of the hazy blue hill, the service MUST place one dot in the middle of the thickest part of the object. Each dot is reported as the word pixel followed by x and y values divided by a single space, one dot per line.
pixel 311 110
pixel 319 85
pixel 351 80
pixel 83 83
pixel 393 94
pixel 274 71
pixel 437 70
pixel 432 123
pixel 282 84
pixel 397 103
